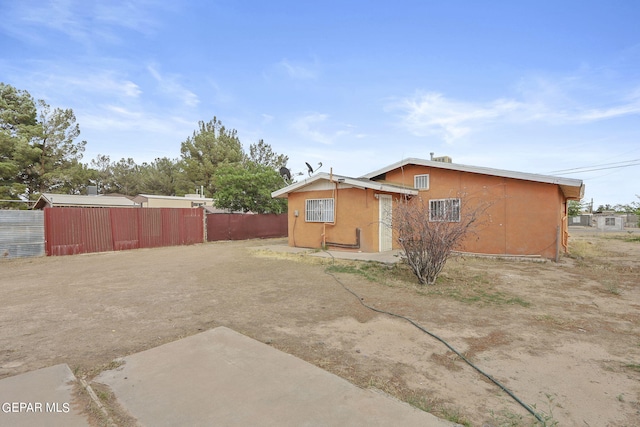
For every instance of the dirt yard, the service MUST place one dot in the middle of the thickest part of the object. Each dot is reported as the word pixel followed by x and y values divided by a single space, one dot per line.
pixel 564 338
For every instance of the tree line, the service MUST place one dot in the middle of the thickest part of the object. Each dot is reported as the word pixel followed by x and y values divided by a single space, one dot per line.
pixel 40 152
pixel 576 207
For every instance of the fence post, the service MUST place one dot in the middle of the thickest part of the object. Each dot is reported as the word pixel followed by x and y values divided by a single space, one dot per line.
pixel 204 224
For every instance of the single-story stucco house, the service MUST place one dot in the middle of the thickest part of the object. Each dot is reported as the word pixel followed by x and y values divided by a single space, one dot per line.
pixel 159 201
pixel 50 200
pixel 527 216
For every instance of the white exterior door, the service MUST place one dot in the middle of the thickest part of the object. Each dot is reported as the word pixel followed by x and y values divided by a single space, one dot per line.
pixel 385 222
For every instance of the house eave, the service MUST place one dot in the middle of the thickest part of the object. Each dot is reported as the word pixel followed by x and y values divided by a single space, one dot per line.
pixel 67 200
pixel 343 182
pixel 570 187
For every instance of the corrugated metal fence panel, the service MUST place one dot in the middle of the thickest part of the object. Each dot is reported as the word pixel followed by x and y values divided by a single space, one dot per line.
pixel 272 225
pixel 73 231
pixel 245 226
pixel 239 227
pixel 193 226
pixel 218 227
pixel 63 231
pixel 125 229
pixel 21 233
pixel 171 227
pixel 97 234
pixel 150 223
pixel 79 230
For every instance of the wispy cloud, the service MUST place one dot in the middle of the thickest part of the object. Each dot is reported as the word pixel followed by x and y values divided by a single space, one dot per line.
pixel 118 118
pixel 134 15
pixel 306 126
pixel 105 83
pixel 61 82
pixel 171 86
pixel 434 114
pixel 294 70
pixel 317 128
pixel 632 107
pixel 298 70
pixel 84 22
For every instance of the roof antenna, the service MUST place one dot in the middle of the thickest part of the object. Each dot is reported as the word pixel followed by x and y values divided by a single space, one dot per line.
pixel 310 169
pixel 285 173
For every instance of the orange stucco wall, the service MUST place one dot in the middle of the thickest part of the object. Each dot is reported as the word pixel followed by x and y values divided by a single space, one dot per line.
pixel 523 218
pixel 355 208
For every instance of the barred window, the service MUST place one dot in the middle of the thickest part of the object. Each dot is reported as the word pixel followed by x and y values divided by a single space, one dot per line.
pixel 610 221
pixel 444 210
pixel 421 182
pixel 319 210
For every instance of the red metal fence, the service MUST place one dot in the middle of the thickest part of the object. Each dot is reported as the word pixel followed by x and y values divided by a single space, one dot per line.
pixel 70 231
pixel 245 226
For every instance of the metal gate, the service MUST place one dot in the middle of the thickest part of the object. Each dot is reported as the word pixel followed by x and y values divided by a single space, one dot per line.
pixel 21 233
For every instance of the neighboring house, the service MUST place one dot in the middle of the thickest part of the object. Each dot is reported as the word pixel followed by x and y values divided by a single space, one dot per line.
pixel 187 201
pixel 49 200
pixel 527 216
pixel 609 222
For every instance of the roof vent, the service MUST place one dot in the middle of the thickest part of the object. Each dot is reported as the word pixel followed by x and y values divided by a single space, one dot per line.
pixel 443 159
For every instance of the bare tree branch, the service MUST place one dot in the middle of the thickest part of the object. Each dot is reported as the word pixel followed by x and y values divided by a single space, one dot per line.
pixel 428 231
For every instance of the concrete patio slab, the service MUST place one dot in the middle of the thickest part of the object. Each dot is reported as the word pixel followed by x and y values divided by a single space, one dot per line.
pixel 388 257
pixel 40 398
pixel 220 377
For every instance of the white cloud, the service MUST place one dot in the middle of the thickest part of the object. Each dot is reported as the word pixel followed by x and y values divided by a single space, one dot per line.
pixel 68 83
pixel 298 70
pixel 134 15
pixel 123 112
pixel 170 85
pixel 113 118
pixel 84 22
pixel 608 113
pixel 433 114
pixel 307 125
pixel 104 82
pixel 317 127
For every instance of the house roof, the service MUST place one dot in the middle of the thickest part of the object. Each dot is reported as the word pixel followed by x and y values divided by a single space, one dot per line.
pixel 62 200
pixel 572 188
pixel 343 182
pixel 143 197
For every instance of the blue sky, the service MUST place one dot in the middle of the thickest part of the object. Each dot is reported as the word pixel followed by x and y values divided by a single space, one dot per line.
pixel 532 86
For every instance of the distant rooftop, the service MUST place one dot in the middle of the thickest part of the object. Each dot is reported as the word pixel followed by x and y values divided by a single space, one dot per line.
pixel 69 200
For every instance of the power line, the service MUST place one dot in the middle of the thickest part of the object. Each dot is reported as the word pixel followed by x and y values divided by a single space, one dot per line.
pixel 599 169
pixel 597 166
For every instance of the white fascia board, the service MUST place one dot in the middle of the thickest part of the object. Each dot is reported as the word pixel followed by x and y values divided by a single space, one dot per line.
pixel 282 193
pixel 156 196
pixel 343 182
pixel 549 179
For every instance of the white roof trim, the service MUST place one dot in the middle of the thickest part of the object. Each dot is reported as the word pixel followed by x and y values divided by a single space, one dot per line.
pixel 573 188
pixel 80 200
pixel 156 196
pixel 343 181
pixel 478 169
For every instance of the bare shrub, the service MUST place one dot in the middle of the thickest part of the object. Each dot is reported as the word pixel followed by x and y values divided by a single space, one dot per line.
pixel 428 231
